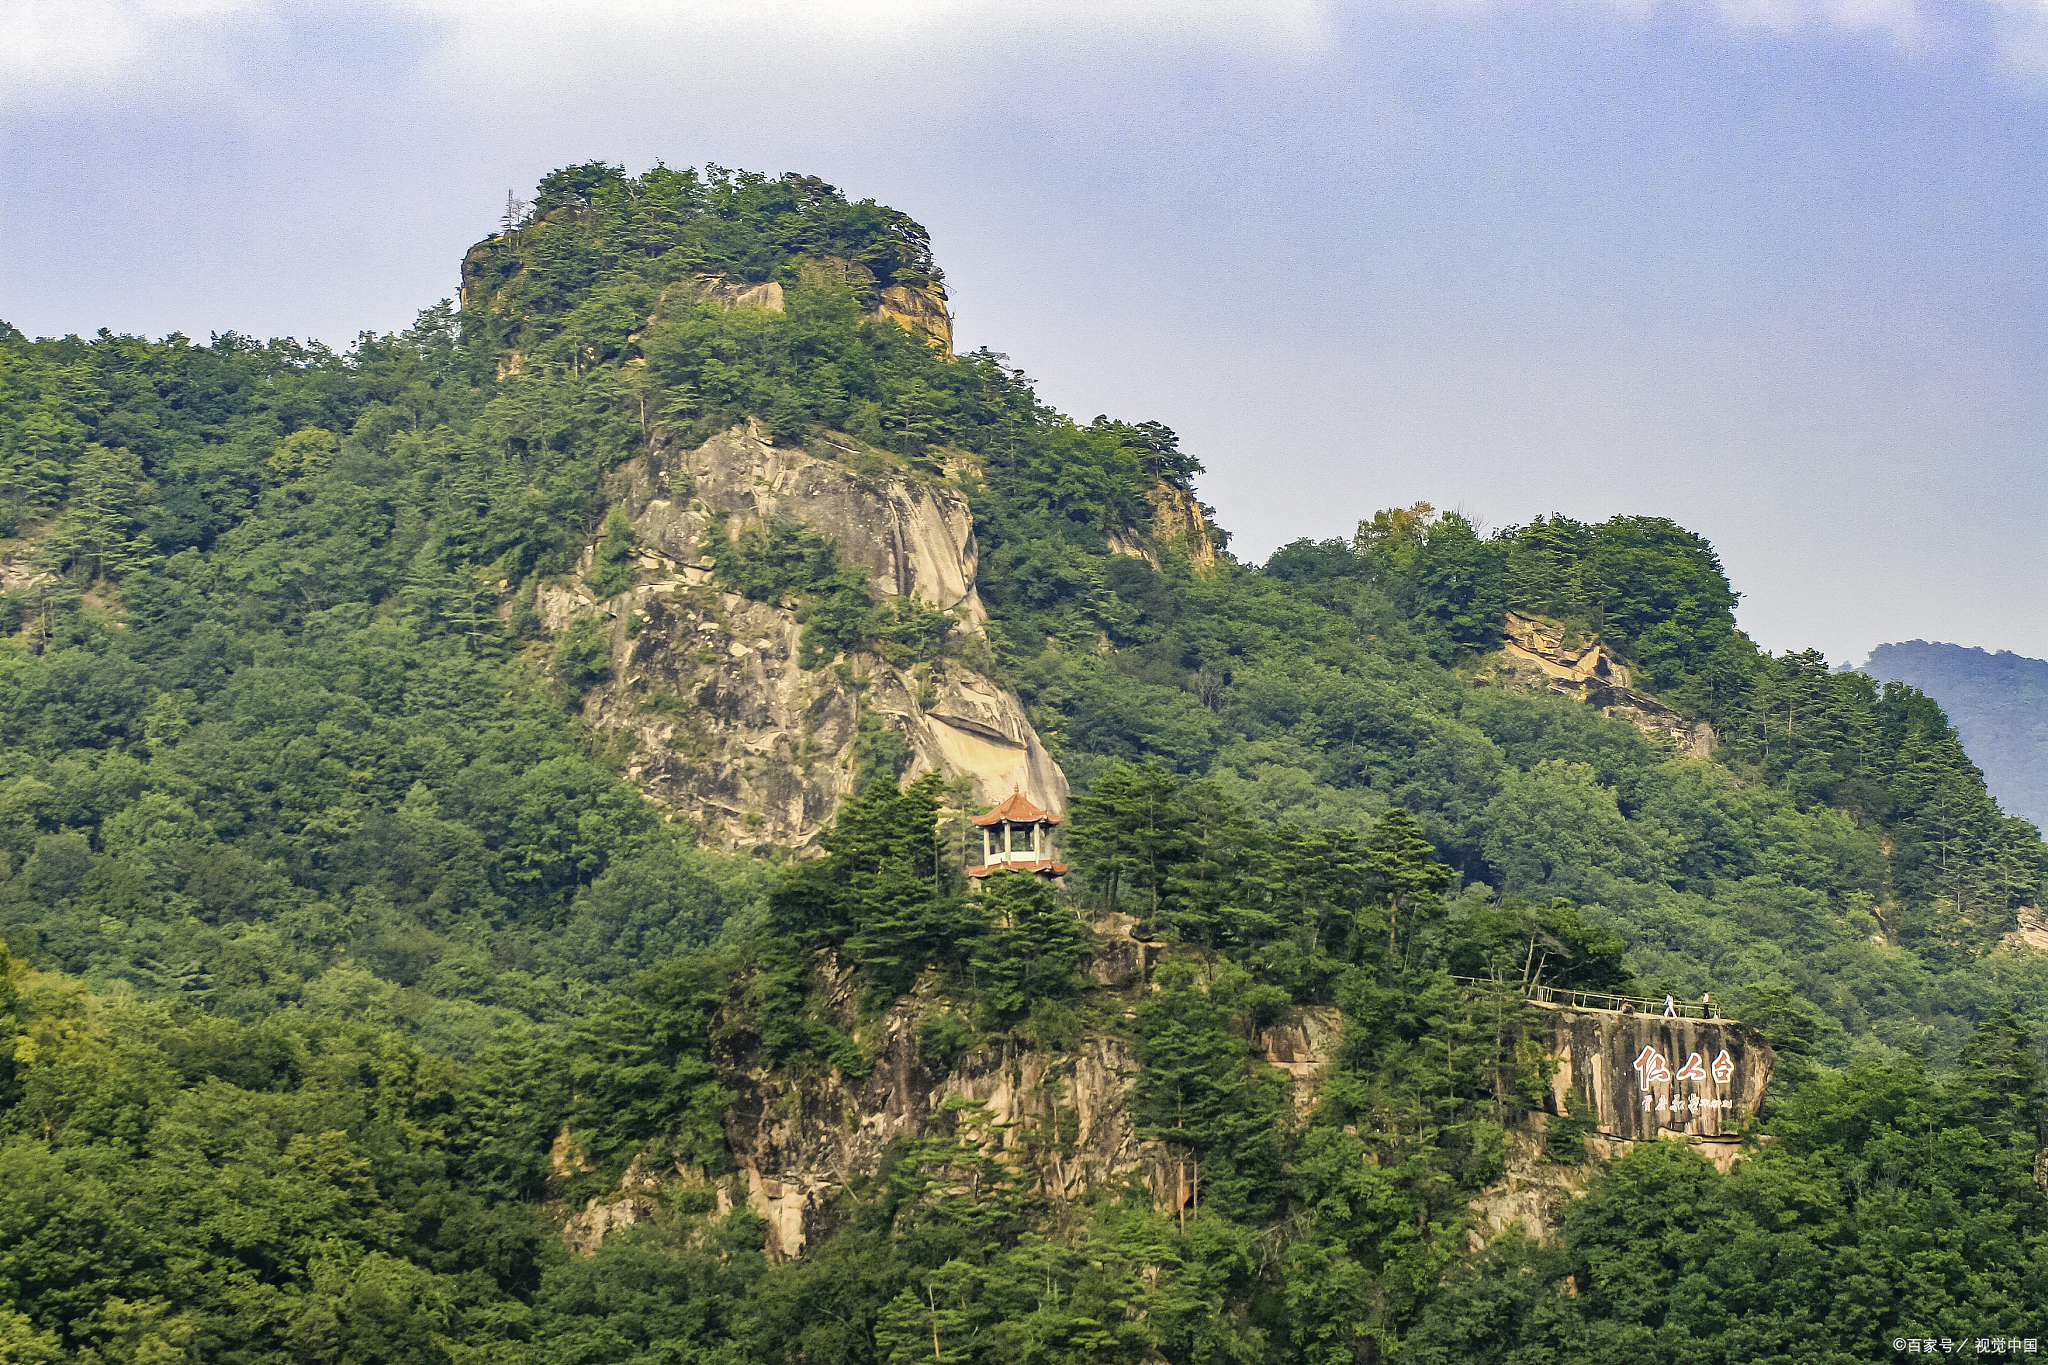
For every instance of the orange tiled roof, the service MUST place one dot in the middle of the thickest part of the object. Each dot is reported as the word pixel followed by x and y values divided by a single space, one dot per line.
pixel 1017 811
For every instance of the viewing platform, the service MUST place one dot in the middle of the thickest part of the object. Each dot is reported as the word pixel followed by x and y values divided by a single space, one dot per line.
pixel 1655 1006
pixel 1639 1072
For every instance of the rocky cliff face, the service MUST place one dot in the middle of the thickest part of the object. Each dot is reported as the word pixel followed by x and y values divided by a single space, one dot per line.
pixel 918 309
pixel 1540 654
pixel 1176 516
pixel 797 1142
pixel 2030 936
pixel 1062 1119
pixel 727 729
pixel 1645 1076
pixel 1639 1077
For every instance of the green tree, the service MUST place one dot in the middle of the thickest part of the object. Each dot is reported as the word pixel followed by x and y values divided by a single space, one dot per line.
pixel 1200 1091
pixel 1555 828
pixel 583 655
pixel 96 534
pixel 612 568
pixel 882 891
pixel 1458 587
pixel 1129 831
pixel 1406 874
pixel 1033 947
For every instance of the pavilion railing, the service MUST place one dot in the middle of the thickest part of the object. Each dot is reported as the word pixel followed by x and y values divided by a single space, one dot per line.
pixel 1602 1000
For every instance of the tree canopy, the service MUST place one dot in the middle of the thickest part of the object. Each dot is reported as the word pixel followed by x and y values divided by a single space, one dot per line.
pixel 340 964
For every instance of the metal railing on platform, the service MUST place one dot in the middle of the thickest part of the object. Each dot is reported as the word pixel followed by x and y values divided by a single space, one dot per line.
pixel 1659 1006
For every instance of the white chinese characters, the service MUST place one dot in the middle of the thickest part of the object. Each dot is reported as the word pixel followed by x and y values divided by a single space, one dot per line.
pixel 1653 1069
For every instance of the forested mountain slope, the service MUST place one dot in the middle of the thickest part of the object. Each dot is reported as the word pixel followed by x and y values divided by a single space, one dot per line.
pixel 1999 703
pixel 364 727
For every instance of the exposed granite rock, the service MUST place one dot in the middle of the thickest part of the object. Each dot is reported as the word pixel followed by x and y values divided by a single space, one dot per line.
pixel 1061 1120
pixel 1559 655
pixel 729 731
pixel 1596 1051
pixel 1693 738
pixel 920 310
pixel 729 293
pixel 18 566
pixel 913 534
pixel 1306 1048
pixel 1131 545
pixel 2031 935
pixel 583 1233
pixel 1541 654
pixel 1677 1091
pixel 1122 958
pixel 798 1142
pixel 1532 1193
pixel 1176 516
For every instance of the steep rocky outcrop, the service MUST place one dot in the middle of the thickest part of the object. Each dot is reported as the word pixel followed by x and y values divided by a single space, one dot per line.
pixel 1177 517
pixel 1645 1076
pixel 1061 1119
pixel 2030 936
pixel 1558 653
pixel 727 728
pixel 1693 738
pixel 919 309
pixel 20 566
pixel 1640 1078
pixel 796 1142
pixel 729 293
pixel 1305 1046
pixel 1540 654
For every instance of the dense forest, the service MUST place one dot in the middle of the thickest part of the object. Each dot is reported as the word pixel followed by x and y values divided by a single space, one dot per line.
pixel 326 917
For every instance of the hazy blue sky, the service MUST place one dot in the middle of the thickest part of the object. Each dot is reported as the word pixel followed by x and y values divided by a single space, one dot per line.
pixel 1774 268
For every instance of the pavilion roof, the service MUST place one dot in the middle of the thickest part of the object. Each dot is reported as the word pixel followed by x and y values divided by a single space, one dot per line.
pixel 1017 811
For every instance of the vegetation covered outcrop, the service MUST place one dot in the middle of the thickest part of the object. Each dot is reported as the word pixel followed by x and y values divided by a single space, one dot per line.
pixel 378 985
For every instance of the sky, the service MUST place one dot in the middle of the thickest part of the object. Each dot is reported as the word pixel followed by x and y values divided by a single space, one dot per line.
pixel 1774 269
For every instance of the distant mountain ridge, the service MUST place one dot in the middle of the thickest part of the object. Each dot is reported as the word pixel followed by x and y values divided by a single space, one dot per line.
pixel 1999 703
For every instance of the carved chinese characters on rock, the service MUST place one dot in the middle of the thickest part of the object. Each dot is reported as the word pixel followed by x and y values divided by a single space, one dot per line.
pixel 1654 1070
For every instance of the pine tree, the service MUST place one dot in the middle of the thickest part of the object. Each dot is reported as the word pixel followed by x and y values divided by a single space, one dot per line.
pixel 1034 944
pixel 1200 1091
pixel 93 534
pixel 1407 876
pixel 957 1175
pixel 883 892
pixel 611 570
pixel 1129 832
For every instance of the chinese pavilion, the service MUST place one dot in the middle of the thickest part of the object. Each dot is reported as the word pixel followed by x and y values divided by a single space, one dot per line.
pixel 1017 837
